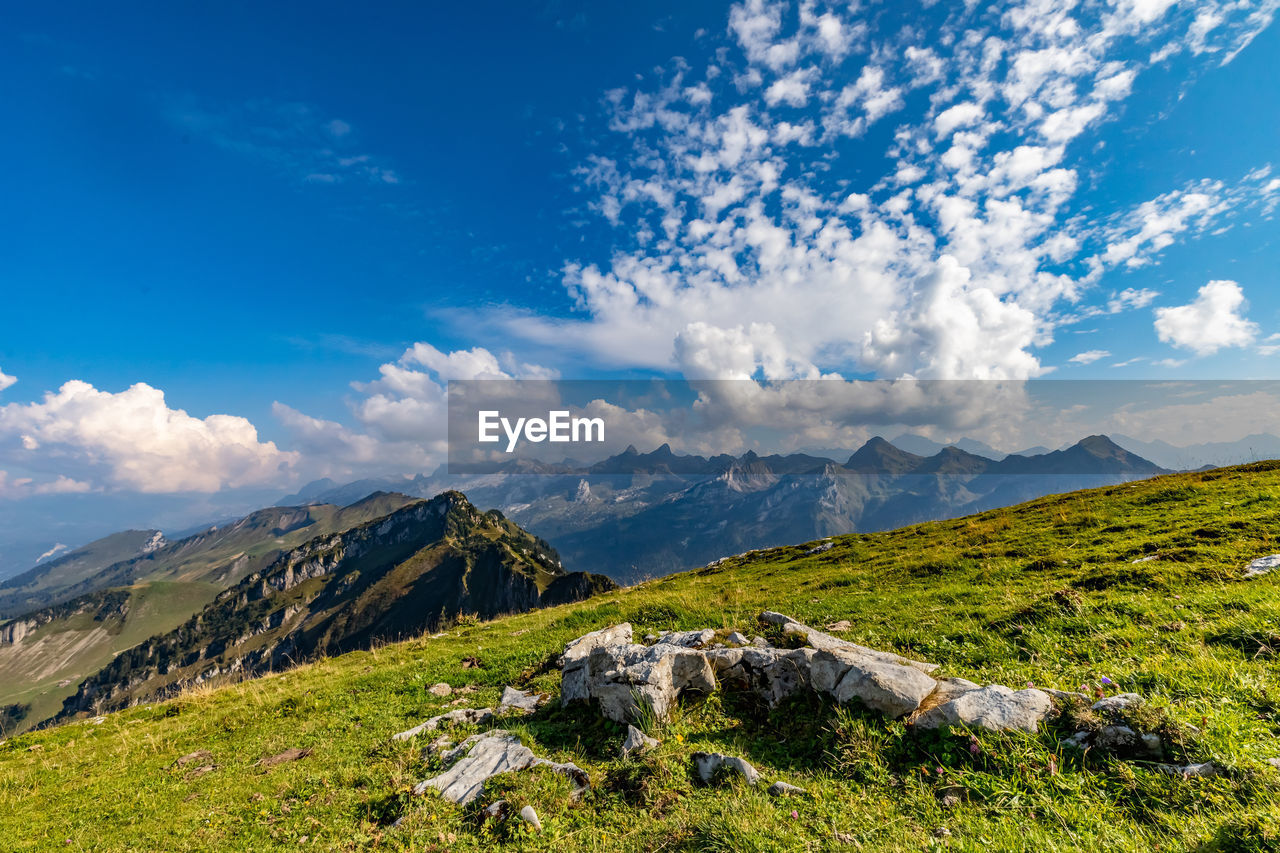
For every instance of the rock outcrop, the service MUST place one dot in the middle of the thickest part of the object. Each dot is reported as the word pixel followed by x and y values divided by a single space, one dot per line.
pixel 606 666
pixel 481 757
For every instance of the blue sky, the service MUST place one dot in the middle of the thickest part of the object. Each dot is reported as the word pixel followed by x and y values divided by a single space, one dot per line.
pixel 294 223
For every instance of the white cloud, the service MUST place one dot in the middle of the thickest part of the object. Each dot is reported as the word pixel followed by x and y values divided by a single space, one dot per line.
pixel 1089 356
pixel 1211 322
pixel 742 249
pixel 6 381
pixel 133 440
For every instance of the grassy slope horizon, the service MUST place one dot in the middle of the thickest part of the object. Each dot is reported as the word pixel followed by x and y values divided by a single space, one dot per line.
pixel 1046 592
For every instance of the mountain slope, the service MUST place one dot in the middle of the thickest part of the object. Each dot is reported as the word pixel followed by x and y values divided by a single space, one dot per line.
pixel 1046 592
pixel 53 582
pixel 44 653
pixel 423 565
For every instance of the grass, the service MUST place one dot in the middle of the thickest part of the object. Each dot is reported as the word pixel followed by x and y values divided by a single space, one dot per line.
pixel 1046 593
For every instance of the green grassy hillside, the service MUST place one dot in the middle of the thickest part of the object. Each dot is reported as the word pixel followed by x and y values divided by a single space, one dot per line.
pixel 1046 593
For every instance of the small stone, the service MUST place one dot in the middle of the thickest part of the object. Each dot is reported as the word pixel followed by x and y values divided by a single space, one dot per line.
pixel 519 700
pixel 707 763
pixel 496 809
pixel 1189 771
pixel 1118 702
pixel 1262 566
pixel 950 801
pixel 462 716
pixel 529 816
pixel 637 741
pixel 440 689
pixel 842 625
pixel 737 639
pixel 1117 738
pixel 1274 762
pixel 650 638
pixel 845 838
pixel 942 832
pixel 761 643
pixel 782 789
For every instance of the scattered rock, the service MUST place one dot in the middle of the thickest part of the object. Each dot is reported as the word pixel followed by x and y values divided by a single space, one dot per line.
pixel 1147 559
pixel 737 639
pixel 1274 762
pixel 1189 771
pixel 842 625
pixel 782 789
pixel 825 546
pixel 761 643
pixel 824 642
pixel 519 700
pixel 470 663
pixel 462 716
pixel 773 674
pixel 650 638
pixel 620 676
pixel 529 816
pixel 1118 702
pixel 481 757
pixel 441 689
pixel 688 639
pixel 845 838
pixel 942 832
pixel 950 801
pixel 497 809
pixel 637 741
pixel 292 754
pixel 1124 739
pixel 707 764
pixel 893 689
pixel 574 675
pixel 438 746
pixel 202 755
pixel 994 707
pixel 1262 566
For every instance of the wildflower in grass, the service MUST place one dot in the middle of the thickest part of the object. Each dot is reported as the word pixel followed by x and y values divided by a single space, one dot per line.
pixel 795 815
pixel 975 748
pixel 938 770
pixel 1031 684
pixel 1107 681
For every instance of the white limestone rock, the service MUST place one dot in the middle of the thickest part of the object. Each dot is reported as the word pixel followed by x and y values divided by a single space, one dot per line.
pixel 994 707
pixel 481 757
pixel 707 764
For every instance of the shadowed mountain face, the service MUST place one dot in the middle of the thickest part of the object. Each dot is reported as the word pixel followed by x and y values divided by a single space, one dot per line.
pixel 421 566
pixel 636 514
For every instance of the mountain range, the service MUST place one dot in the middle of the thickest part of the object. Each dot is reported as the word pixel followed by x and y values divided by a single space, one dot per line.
pixel 636 515
pixel 158 613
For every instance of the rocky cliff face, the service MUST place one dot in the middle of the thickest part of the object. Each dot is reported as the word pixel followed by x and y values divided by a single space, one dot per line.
pixel 423 565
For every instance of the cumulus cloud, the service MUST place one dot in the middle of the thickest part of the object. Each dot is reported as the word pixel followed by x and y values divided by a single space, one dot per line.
pixel 1212 321
pixel 6 381
pixel 133 440
pixel 743 247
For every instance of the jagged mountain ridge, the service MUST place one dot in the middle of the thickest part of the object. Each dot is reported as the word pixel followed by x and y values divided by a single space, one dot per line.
pixel 45 652
pixel 642 514
pixel 424 564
